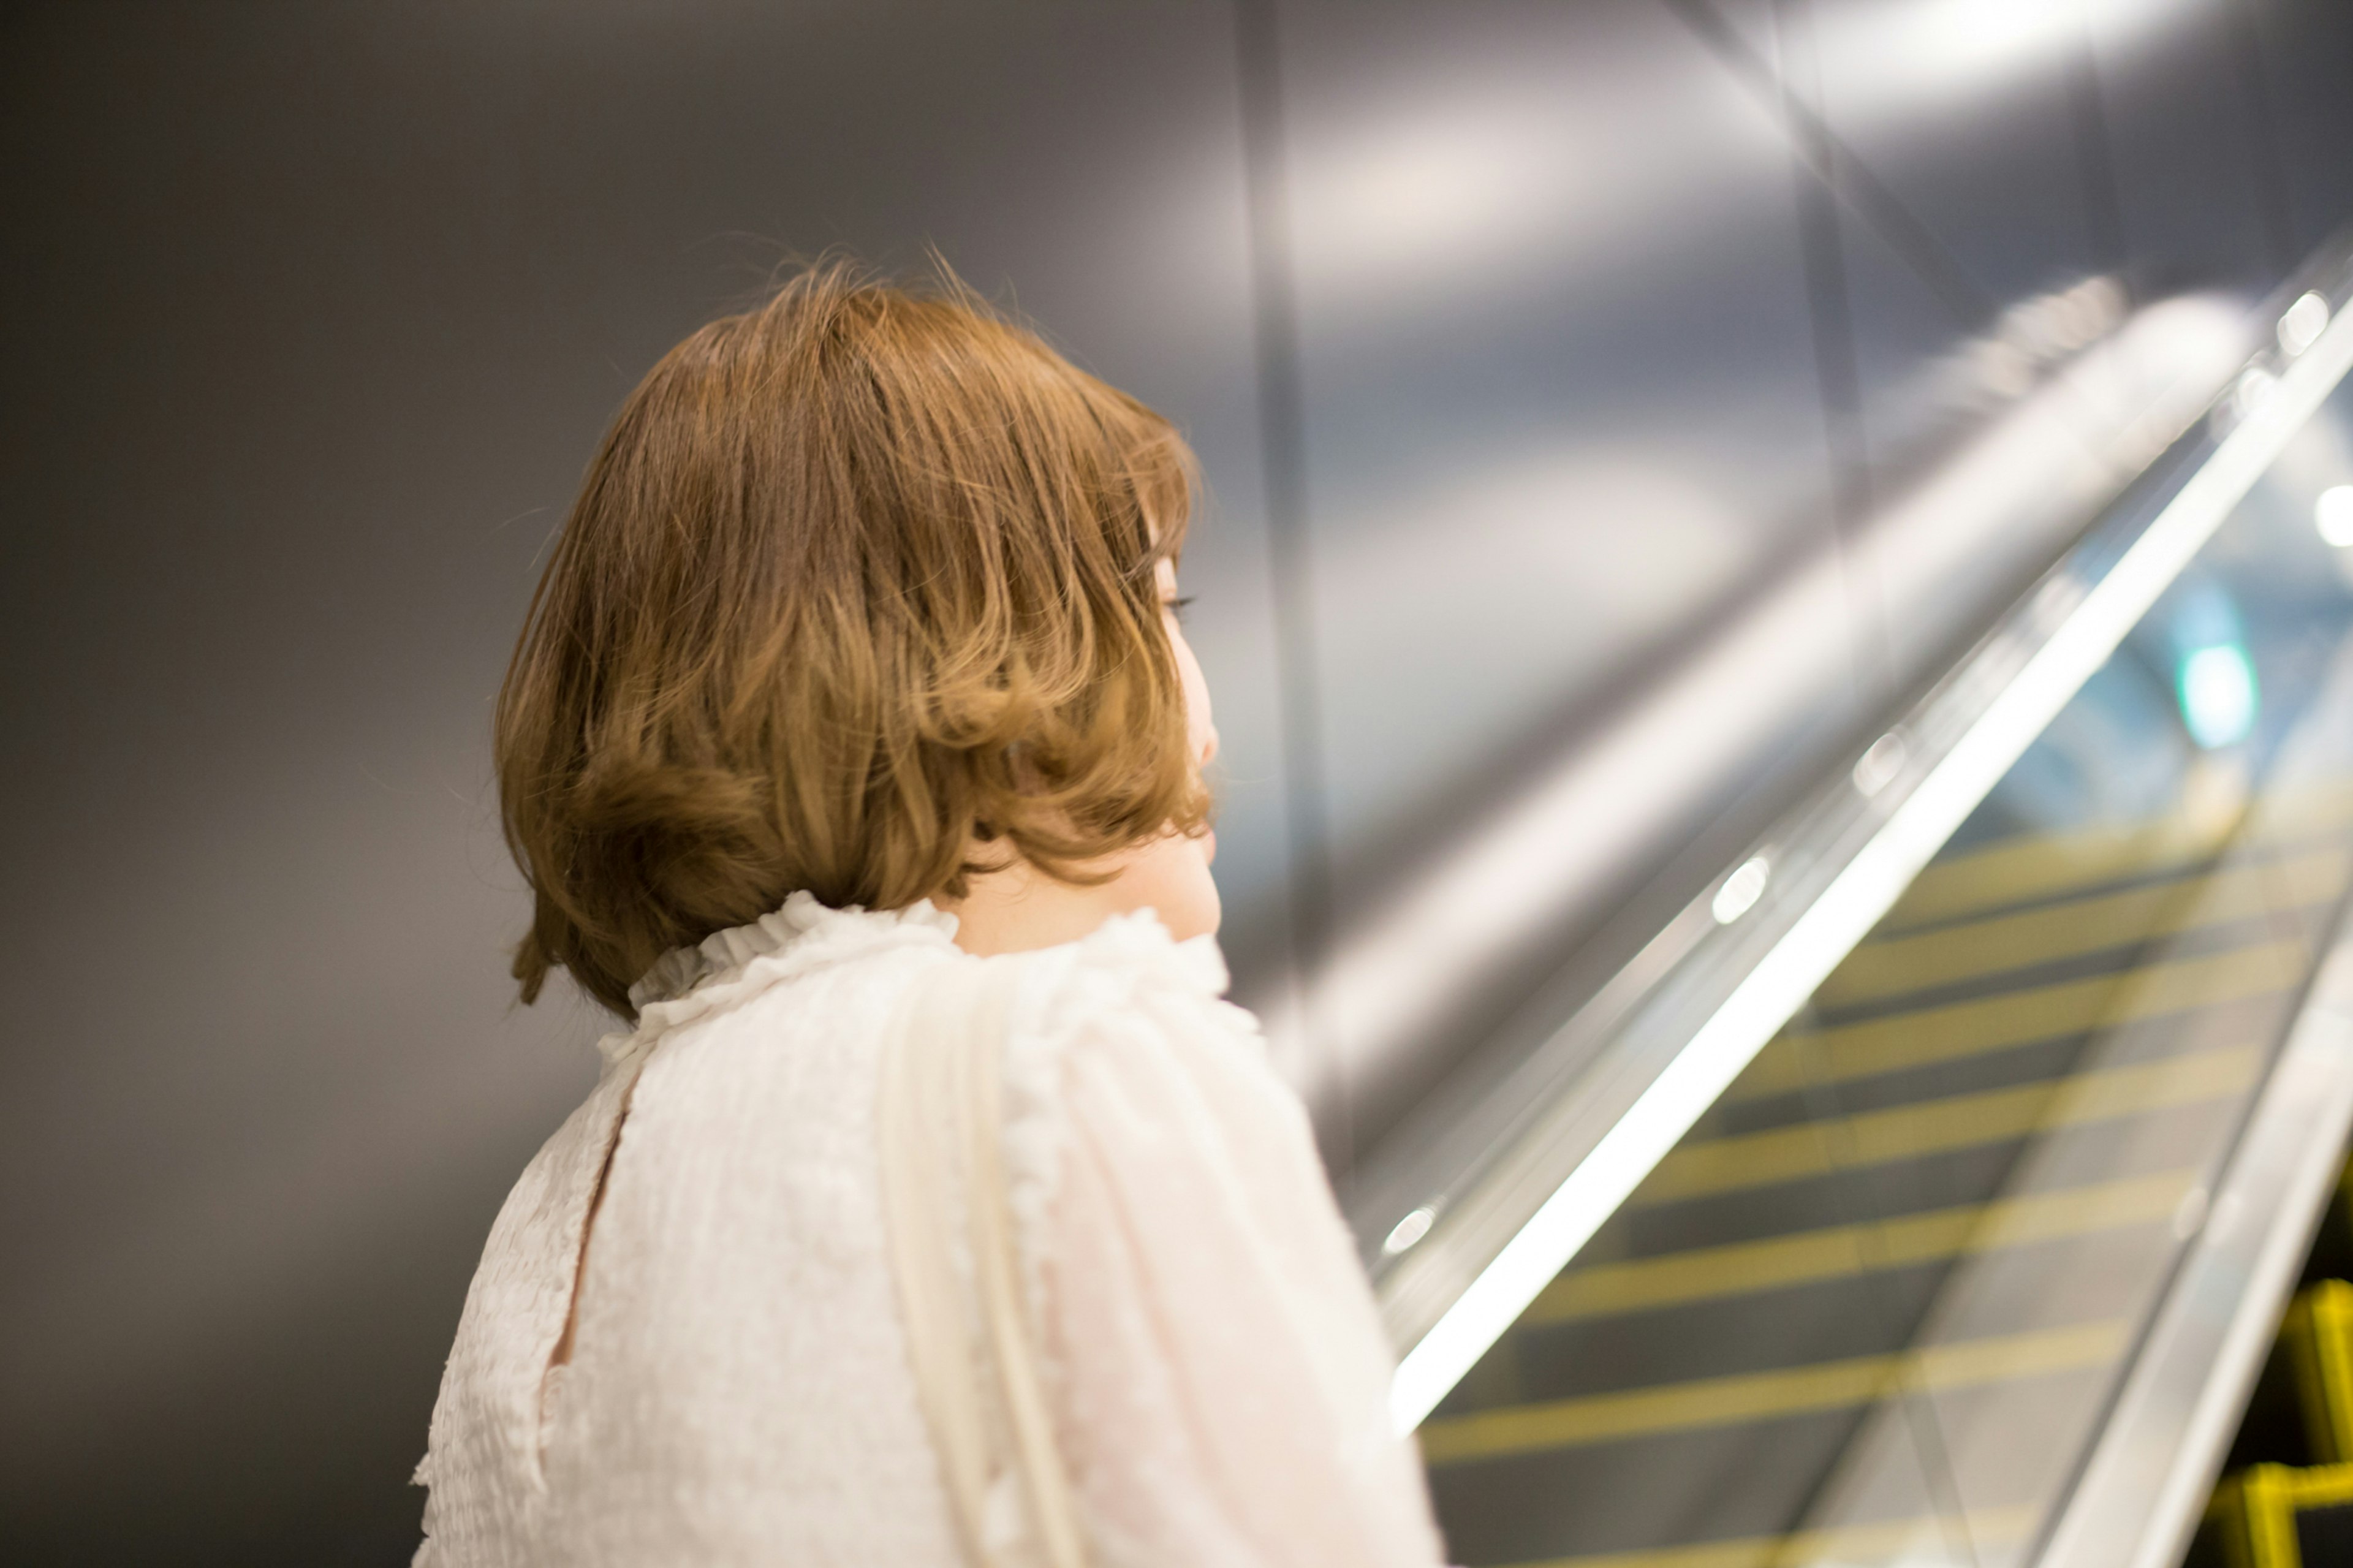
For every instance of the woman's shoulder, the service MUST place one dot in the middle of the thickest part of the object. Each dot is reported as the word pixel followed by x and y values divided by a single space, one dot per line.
pixel 1127 983
pixel 1123 1042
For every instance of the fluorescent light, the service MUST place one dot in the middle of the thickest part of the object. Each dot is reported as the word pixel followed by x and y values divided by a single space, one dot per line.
pixel 1408 1230
pixel 2254 390
pixel 1877 767
pixel 2303 322
pixel 2333 514
pixel 1767 996
pixel 2217 696
pixel 1740 891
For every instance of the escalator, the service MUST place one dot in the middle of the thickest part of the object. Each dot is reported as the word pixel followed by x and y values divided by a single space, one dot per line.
pixel 1929 1193
pixel 2287 1497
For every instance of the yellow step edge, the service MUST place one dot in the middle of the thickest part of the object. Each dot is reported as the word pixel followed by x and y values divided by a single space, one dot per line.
pixel 2254 1511
pixel 1957 1030
pixel 1790 1154
pixel 1981 1527
pixel 1745 1397
pixel 1840 1251
pixel 1893 966
pixel 2018 870
pixel 2318 1335
pixel 2030 868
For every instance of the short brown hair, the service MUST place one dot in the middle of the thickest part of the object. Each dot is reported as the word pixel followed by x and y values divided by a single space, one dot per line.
pixel 860 579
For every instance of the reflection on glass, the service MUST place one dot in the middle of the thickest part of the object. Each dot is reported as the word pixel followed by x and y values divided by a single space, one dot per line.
pixel 1872 1309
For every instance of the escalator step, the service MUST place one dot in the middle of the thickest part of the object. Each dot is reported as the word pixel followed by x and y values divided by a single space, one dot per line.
pixel 1920 964
pixel 2317 1337
pixel 2332 1248
pixel 2273 1516
pixel 1759 1301
pixel 2269 1514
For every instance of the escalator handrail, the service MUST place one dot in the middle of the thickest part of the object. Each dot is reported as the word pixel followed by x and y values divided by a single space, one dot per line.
pixel 1690 1013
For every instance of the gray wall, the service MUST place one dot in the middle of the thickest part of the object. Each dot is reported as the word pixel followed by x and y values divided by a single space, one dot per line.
pixel 1547 346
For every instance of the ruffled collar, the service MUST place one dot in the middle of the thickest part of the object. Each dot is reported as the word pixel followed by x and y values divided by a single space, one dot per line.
pixel 727 966
pixel 731 966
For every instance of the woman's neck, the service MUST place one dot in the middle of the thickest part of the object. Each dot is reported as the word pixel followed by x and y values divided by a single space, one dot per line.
pixel 1018 908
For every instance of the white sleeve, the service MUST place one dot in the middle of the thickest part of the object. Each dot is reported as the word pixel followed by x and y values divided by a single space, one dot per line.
pixel 1221 1378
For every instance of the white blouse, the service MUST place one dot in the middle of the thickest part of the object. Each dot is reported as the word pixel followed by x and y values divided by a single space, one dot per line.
pixel 737 1389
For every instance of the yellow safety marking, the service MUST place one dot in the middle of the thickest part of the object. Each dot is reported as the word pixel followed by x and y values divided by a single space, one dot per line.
pixel 1835 1543
pixel 2254 1511
pixel 1750 1396
pixel 1927 1036
pixel 2317 1336
pixel 1907 1131
pixel 1840 1251
pixel 2003 942
pixel 2024 870
pixel 2020 870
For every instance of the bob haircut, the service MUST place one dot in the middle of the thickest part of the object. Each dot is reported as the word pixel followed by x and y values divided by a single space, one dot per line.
pixel 858 598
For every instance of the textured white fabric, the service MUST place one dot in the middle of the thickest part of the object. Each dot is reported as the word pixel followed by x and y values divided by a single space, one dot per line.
pixel 737 1390
pixel 972 1332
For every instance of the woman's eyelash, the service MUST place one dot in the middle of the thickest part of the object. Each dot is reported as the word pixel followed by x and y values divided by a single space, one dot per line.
pixel 1176 607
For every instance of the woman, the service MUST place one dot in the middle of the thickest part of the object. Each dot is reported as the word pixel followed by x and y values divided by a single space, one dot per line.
pixel 933 1209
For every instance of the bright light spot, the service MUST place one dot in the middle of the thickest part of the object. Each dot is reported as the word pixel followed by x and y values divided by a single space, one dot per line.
pixel 1969 39
pixel 1422 194
pixel 1408 1230
pixel 1741 890
pixel 2301 327
pixel 2255 389
pixel 1911 52
pixel 2333 515
pixel 2217 696
pixel 1413 186
pixel 1877 768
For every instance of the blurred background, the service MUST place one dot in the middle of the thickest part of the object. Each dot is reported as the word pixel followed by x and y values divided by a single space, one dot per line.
pixel 1612 413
